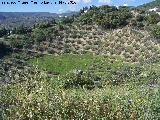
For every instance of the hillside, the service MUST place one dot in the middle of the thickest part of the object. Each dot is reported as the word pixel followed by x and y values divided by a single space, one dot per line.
pixel 12 19
pixel 151 5
pixel 118 32
pixel 101 63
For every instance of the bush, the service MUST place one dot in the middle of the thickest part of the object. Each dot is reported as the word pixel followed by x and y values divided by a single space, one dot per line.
pixel 38 35
pixel 45 25
pixel 26 106
pixel 51 50
pixel 140 25
pixel 40 97
pixel 5 48
pixel 3 32
pixel 127 90
pixel 133 23
pixel 67 20
pixel 17 41
pixel 21 30
pixel 75 81
pixel 156 31
pixel 140 18
pixel 153 18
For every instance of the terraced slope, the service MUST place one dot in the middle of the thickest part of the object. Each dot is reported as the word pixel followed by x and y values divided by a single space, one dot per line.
pixel 131 44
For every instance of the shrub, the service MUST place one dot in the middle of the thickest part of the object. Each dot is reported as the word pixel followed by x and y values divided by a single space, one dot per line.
pixel 67 20
pixel 156 31
pixel 51 50
pixel 153 18
pixel 17 41
pixel 140 25
pixel 74 81
pixel 45 25
pixel 38 35
pixel 26 100
pixel 5 48
pixel 21 30
pixel 79 41
pixel 3 32
pixel 140 18
pixel 74 95
pixel 133 23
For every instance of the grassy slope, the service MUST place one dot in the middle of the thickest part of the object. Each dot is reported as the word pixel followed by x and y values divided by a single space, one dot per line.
pixel 64 63
pixel 110 69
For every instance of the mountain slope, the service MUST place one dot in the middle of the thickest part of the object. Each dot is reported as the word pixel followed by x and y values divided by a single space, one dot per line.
pixel 151 5
pixel 13 19
pixel 100 30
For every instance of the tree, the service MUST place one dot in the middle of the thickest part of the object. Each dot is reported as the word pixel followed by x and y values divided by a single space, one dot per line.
pixel 153 18
pixel 21 30
pixel 108 17
pixel 156 31
pixel 16 41
pixel 5 48
pixel 140 18
pixel 38 35
pixel 3 32
pixel 44 25
pixel 68 20
pixel 48 32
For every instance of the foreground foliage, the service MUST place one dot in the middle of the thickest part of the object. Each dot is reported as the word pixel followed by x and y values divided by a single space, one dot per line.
pixel 39 96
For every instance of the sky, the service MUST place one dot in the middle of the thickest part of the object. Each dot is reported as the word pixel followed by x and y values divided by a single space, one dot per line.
pixel 57 8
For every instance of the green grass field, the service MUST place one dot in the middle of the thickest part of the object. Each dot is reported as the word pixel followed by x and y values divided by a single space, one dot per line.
pixel 64 63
